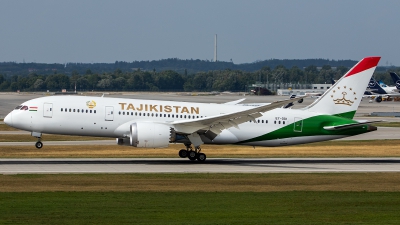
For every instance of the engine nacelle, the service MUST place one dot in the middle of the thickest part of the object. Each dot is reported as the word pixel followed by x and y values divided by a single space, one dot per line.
pixel 150 135
pixel 378 99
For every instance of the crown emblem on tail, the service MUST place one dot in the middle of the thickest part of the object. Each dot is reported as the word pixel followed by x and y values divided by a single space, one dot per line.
pixel 343 100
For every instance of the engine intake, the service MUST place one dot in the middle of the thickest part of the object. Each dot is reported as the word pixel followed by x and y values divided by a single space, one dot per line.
pixel 150 135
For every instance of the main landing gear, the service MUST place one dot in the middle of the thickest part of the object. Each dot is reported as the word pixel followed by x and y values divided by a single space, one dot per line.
pixel 192 154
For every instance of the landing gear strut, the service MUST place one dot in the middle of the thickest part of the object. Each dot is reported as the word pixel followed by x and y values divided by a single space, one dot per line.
pixel 192 154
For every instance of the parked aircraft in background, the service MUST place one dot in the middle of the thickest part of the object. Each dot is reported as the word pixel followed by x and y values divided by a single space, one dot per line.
pixel 396 79
pixel 376 91
pixel 156 124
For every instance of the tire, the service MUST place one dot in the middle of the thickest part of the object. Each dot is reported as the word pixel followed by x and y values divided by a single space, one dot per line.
pixel 183 153
pixel 201 157
pixel 192 155
pixel 39 144
pixel 300 101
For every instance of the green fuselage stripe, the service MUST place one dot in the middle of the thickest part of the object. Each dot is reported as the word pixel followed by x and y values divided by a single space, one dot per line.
pixel 313 126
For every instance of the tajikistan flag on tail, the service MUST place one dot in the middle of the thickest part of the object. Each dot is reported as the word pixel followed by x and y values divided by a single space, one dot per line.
pixel 344 97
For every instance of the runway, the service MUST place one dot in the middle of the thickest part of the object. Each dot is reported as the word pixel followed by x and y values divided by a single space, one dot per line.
pixel 212 165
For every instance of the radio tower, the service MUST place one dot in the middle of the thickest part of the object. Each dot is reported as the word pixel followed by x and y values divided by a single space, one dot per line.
pixel 215 49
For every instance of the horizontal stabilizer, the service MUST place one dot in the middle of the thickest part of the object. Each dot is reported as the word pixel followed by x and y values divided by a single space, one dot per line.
pixel 351 125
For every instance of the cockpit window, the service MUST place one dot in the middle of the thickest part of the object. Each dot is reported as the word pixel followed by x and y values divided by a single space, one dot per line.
pixel 24 107
pixel 18 107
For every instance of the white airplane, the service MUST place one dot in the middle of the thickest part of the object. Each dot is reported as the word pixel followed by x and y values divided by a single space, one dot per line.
pixel 156 124
pixel 379 92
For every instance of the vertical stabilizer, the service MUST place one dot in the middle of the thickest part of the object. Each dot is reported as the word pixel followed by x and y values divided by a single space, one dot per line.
pixel 375 87
pixel 396 79
pixel 344 97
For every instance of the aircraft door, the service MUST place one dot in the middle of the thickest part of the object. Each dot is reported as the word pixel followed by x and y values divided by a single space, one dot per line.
pixel 298 124
pixel 48 110
pixel 109 113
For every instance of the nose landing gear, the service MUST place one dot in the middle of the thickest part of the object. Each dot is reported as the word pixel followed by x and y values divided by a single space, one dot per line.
pixel 38 144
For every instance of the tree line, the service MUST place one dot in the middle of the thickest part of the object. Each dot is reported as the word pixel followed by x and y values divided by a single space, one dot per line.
pixel 169 80
pixel 189 66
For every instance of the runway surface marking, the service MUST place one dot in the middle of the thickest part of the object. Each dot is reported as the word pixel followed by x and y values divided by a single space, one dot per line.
pixel 212 165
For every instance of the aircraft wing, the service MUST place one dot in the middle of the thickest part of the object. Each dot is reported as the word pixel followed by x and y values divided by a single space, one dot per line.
pixel 234 102
pixel 217 123
pixel 346 126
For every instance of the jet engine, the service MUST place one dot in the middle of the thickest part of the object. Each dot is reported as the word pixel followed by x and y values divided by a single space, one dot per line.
pixel 378 99
pixel 151 135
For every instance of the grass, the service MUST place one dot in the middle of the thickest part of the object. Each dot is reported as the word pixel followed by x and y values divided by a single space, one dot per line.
pixel 387 124
pixel 47 137
pixel 5 127
pixel 356 182
pixel 373 148
pixel 200 208
pixel 336 198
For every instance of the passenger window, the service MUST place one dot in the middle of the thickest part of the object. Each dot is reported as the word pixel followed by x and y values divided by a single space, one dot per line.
pixel 61 109
pixel 74 110
pixel 78 110
pixel 93 111
pixel 283 122
pixel 258 121
pixel 86 111
pixel 275 122
pixel 279 122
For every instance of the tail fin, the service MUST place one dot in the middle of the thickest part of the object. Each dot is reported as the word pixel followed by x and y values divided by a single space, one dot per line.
pixel 376 87
pixel 344 97
pixel 396 79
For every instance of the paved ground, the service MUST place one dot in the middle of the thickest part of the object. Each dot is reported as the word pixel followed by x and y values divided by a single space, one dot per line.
pixel 162 165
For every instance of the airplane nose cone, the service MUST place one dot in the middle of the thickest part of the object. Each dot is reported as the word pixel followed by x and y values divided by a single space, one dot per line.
pixel 8 119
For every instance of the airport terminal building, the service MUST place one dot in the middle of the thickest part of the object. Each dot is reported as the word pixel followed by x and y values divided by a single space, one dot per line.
pixel 315 88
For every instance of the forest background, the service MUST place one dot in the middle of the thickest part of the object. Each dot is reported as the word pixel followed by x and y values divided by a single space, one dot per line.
pixel 174 75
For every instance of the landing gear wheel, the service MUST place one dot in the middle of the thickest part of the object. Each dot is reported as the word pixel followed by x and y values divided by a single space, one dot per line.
pixel 192 155
pixel 39 144
pixel 183 153
pixel 201 157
